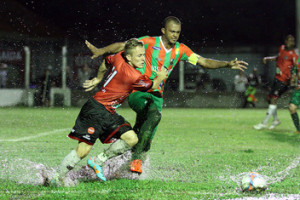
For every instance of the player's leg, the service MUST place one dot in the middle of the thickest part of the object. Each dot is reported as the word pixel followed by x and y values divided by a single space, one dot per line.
pixel 280 89
pixel 146 133
pixel 70 161
pixel 273 95
pixel 118 128
pixel 120 146
pixel 294 103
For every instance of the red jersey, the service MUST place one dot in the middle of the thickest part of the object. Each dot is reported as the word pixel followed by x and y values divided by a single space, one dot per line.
pixel 122 78
pixel 284 64
pixel 157 56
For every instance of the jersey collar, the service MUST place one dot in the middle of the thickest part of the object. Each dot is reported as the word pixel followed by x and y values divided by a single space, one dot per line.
pixel 166 50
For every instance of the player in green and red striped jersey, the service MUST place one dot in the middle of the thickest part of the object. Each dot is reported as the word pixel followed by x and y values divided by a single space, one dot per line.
pixel 161 52
pixel 295 97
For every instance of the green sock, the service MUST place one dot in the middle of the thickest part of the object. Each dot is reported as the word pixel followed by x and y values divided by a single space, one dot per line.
pixel 146 133
pixel 295 119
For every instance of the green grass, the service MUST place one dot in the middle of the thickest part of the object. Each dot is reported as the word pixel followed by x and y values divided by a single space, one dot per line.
pixel 196 154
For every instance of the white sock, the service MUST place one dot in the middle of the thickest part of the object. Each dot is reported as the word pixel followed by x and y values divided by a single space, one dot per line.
pixel 275 118
pixel 115 149
pixel 271 110
pixel 68 163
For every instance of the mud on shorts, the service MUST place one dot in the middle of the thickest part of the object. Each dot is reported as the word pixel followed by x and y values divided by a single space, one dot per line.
pixel 278 88
pixel 94 122
pixel 295 97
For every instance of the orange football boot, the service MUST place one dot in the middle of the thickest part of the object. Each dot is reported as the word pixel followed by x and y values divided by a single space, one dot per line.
pixel 135 166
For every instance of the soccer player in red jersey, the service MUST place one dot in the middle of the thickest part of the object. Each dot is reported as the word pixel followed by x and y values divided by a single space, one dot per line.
pixel 161 52
pixel 285 60
pixel 98 118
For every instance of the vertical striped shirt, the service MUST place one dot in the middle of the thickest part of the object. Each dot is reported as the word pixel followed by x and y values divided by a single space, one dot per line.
pixel 158 57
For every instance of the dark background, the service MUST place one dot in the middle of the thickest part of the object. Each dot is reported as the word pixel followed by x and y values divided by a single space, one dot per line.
pixel 204 23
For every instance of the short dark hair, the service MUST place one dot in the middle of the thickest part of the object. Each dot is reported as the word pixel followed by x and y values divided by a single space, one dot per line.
pixel 171 19
pixel 131 44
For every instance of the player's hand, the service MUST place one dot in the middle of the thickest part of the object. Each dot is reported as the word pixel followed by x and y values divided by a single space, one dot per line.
pixel 162 74
pixel 96 52
pixel 265 60
pixel 91 84
pixel 238 64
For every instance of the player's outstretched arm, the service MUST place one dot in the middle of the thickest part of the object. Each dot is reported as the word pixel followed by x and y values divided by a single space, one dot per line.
pixel 91 84
pixel 112 48
pixel 214 64
pixel 269 58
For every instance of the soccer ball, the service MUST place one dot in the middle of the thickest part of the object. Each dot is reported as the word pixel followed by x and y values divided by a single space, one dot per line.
pixel 253 181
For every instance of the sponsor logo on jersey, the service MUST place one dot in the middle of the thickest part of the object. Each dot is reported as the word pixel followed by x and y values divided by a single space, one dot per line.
pixel 156 48
pixel 172 62
pixel 87 137
pixel 91 130
pixel 158 59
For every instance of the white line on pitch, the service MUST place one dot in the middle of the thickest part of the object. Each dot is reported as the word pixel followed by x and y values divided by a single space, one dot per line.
pixel 35 136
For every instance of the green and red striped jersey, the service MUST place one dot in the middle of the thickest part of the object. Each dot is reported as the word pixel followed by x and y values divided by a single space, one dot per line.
pixel 157 56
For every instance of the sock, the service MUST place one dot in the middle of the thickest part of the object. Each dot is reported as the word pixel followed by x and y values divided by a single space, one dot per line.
pixel 275 118
pixel 147 132
pixel 295 119
pixel 270 111
pixel 115 149
pixel 68 163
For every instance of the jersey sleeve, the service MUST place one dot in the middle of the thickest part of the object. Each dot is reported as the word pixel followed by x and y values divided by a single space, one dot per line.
pixel 108 60
pixel 143 83
pixel 188 55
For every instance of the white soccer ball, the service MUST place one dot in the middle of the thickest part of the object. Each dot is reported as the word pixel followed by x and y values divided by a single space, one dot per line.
pixel 253 181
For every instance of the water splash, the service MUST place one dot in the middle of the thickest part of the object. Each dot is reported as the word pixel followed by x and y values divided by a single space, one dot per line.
pixel 23 171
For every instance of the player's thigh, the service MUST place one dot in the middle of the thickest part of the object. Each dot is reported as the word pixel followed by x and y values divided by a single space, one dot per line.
pixel 278 88
pixel 139 101
pixel 294 101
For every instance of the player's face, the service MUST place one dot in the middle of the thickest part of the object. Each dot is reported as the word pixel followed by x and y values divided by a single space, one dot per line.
pixel 172 32
pixel 290 42
pixel 137 57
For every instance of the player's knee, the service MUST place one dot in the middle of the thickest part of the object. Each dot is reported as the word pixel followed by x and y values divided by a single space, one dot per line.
pixel 130 138
pixel 292 108
pixel 83 149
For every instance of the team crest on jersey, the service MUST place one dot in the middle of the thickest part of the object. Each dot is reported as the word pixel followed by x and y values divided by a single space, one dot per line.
pixel 177 51
pixel 156 48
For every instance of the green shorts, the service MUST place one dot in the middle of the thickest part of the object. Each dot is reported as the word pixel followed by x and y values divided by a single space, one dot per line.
pixel 295 97
pixel 140 101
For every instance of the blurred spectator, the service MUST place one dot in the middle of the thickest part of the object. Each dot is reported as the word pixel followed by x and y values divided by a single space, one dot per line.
pixel 84 74
pixel 3 75
pixel 45 83
pixel 240 82
pixel 254 81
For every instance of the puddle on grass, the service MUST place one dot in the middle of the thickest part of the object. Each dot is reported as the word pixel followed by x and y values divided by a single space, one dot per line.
pixel 24 171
